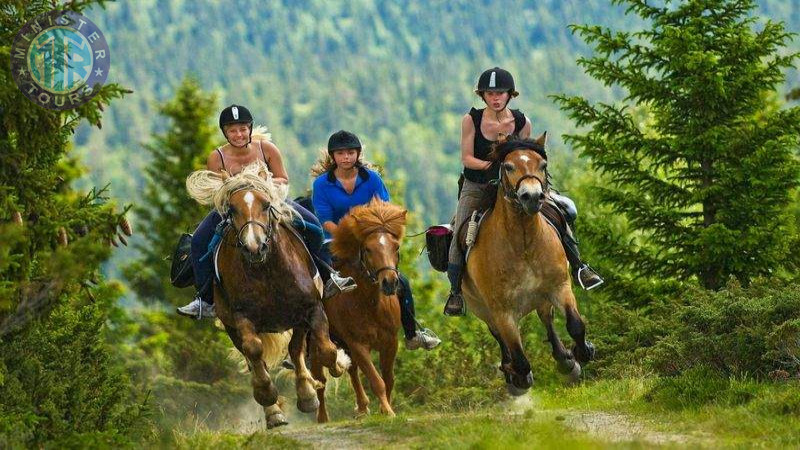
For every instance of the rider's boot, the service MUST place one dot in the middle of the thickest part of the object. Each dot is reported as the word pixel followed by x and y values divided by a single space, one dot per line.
pixel 337 284
pixel 582 274
pixel 455 301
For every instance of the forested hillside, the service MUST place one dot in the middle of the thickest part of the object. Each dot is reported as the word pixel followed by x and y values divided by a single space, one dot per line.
pixel 400 74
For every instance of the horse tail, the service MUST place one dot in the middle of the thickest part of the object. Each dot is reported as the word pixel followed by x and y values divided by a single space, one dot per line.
pixel 275 347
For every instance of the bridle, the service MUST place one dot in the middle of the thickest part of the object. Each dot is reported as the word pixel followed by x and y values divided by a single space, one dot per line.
pixel 267 227
pixel 373 274
pixel 510 192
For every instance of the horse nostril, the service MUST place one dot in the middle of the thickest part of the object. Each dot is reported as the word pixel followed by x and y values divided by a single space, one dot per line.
pixel 525 196
pixel 541 195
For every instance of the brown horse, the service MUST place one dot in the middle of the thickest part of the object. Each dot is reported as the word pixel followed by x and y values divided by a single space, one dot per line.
pixel 267 284
pixel 366 246
pixel 518 265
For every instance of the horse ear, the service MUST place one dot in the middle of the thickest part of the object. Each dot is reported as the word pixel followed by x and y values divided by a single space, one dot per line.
pixel 502 138
pixel 542 140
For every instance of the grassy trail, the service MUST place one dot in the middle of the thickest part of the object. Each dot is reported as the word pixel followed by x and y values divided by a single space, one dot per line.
pixel 605 414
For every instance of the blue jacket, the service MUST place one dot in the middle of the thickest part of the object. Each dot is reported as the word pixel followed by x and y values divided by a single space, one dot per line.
pixel 332 202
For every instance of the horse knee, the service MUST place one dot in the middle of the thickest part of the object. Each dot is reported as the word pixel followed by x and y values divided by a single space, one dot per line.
pixel 252 347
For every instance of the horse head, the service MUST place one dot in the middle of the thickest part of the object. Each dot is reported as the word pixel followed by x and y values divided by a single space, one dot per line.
pixel 371 235
pixel 380 255
pixel 252 216
pixel 523 171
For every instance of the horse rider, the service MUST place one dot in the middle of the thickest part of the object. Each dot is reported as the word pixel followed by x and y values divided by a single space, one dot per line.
pixel 236 124
pixel 344 182
pixel 480 128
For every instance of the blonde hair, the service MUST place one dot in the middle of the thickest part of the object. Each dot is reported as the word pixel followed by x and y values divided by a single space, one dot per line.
pixel 215 188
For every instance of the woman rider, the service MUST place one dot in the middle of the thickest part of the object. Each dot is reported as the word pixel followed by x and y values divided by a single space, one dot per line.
pixel 236 124
pixel 480 128
pixel 344 182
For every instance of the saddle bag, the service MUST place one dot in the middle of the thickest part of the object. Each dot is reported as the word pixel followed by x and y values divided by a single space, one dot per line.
pixel 437 242
pixel 181 274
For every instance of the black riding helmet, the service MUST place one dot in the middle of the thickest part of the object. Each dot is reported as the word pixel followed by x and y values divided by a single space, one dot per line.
pixel 343 140
pixel 235 114
pixel 497 80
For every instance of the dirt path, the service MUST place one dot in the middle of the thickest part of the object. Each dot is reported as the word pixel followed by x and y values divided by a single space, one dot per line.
pixel 612 428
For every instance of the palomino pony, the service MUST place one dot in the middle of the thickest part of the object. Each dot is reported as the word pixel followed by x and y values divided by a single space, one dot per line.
pixel 518 265
pixel 267 284
pixel 366 246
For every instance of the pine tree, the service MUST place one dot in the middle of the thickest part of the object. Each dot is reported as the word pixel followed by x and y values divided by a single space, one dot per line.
pixel 58 379
pixel 166 210
pixel 695 159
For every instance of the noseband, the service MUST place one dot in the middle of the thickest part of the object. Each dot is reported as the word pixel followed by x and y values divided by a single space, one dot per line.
pixel 267 227
pixel 510 193
pixel 373 275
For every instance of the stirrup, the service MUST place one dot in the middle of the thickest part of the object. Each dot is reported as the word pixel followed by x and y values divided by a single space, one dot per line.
pixel 457 309
pixel 593 285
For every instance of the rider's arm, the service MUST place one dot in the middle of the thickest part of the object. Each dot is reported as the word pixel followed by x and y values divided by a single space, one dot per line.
pixel 275 160
pixel 380 190
pixel 214 162
pixel 468 144
pixel 525 132
pixel 322 206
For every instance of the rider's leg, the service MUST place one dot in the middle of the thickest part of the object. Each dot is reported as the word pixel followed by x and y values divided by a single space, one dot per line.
pixel 582 274
pixel 471 196
pixel 203 267
pixel 311 229
pixel 414 338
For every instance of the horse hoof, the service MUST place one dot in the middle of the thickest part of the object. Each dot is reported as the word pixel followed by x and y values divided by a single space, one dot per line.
pixel 586 355
pixel 575 375
pixel 357 413
pixel 515 391
pixel 276 420
pixel 343 363
pixel 307 405
pixel 566 366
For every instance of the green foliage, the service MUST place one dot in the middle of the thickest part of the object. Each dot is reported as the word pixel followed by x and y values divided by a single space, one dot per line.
pixel 165 207
pixel 753 331
pixel 60 383
pixel 702 167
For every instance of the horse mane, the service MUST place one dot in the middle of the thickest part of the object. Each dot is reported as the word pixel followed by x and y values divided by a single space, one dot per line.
pixel 363 220
pixel 325 164
pixel 500 150
pixel 215 188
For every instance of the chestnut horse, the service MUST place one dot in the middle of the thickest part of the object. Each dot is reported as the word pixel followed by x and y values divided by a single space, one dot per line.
pixel 518 265
pixel 267 284
pixel 366 247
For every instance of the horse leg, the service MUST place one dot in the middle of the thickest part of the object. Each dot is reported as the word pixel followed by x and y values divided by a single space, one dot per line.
pixel 334 359
pixel 319 374
pixel 583 349
pixel 264 391
pixel 564 359
pixel 521 377
pixel 304 383
pixel 505 363
pixel 387 357
pixel 362 401
pixel 361 356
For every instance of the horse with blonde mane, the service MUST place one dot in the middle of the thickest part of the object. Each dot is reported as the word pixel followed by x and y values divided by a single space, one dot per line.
pixel 266 284
pixel 518 265
pixel 366 246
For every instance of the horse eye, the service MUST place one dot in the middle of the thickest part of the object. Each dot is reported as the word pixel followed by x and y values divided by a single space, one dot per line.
pixel 508 167
pixel 266 207
pixel 544 165
pixel 231 210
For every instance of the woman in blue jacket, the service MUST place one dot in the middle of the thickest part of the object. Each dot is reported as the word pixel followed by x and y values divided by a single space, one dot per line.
pixel 346 183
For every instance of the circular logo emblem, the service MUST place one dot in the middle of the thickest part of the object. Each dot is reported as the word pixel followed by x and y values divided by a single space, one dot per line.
pixel 60 59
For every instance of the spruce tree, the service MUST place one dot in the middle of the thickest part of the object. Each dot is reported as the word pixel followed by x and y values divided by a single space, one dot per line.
pixel 166 210
pixel 59 381
pixel 696 158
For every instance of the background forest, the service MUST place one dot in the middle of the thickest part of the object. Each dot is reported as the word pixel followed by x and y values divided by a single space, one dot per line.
pixel 698 318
